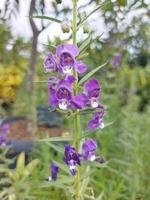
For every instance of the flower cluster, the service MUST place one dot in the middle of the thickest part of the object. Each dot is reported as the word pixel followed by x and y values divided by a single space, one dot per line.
pixel 62 96
pixel 65 62
pixel 72 158
pixel 4 130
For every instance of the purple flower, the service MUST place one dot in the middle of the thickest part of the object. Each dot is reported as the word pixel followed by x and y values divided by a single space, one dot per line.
pixel 89 149
pixel 71 158
pixel 50 63
pixel 61 94
pixel 3 140
pixel 117 60
pixel 54 171
pixel 92 89
pixel 79 101
pixel 67 59
pixel 5 128
pixel 52 83
pixel 96 121
pixel 80 67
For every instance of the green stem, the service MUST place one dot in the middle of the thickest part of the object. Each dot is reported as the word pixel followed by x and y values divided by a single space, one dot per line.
pixel 76 116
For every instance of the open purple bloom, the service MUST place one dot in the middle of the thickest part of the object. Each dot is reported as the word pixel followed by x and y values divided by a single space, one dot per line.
pixel 3 139
pixel 71 158
pixel 61 94
pixel 92 89
pixel 50 63
pixel 67 59
pixel 54 171
pixel 89 149
pixel 96 121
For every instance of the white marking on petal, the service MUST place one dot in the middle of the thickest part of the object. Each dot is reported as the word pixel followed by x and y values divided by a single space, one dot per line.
pixel 92 158
pixel 71 165
pixel 63 104
pixel 94 103
pixel 101 125
pixel 50 178
pixel 67 70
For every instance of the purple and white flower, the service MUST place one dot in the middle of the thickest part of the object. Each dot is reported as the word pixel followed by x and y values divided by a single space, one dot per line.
pixel 89 149
pixel 50 63
pixel 60 94
pixel 54 171
pixel 96 121
pixel 71 158
pixel 65 60
pixel 92 90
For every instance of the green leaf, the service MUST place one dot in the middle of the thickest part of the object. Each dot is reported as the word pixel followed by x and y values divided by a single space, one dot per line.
pixel 21 163
pixel 48 18
pixel 64 167
pixel 92 12
pixel 100 196
pixel 30 167
pixel 55 139
pixel 98 165
pixel 85 43
pixel 91 73
pixel 56 147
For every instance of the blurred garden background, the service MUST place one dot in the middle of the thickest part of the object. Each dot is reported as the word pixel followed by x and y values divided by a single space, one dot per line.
pixel 119 33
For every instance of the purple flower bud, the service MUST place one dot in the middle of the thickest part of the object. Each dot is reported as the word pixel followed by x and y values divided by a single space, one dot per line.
pixel 50 63
pixel 86 28
pixel 71 158
pixel 92 88
pixel 96 121
pixel 89 149
pixel 66 26
pixel 54 171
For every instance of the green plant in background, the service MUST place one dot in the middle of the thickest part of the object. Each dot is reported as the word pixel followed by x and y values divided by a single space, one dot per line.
pixel 15 183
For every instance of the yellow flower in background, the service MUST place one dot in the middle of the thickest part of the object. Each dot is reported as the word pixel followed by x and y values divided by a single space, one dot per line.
pixel 10 79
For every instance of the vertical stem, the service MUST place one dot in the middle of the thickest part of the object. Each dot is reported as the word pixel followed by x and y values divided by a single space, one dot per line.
pixel 76 116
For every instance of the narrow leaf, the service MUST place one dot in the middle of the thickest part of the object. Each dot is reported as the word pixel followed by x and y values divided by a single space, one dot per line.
pixel 91 73
pixel 48 18
pixel 55 139
pixel 85 43
pixel 92 12
pixel 56 147
pixel 21 162
pixel 100 196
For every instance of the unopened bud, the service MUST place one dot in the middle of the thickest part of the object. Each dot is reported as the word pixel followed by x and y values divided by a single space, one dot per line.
pixel 65 26
pixel 58 1
pixel 86 28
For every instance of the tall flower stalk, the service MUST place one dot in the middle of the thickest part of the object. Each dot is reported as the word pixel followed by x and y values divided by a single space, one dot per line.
pixel 76 116
pixel 66 95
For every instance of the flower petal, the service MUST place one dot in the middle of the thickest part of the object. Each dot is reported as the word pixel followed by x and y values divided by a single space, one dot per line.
pixel 80 67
